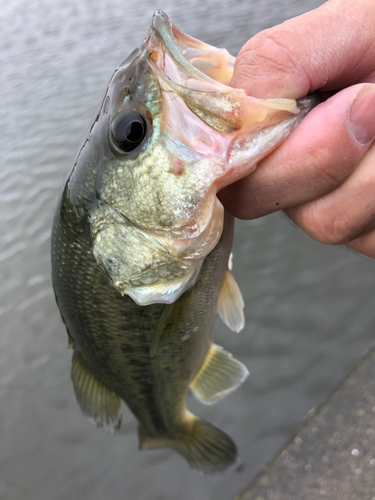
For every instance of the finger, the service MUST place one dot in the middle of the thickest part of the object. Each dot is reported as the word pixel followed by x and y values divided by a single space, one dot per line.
pixel 330 47
pixel 346 213
pixel 365 244
pixel 318 156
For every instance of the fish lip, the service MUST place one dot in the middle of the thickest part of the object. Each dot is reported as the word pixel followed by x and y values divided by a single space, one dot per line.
pixel 162 25
pixel 161 21
pixel 164 29
pixel 170 36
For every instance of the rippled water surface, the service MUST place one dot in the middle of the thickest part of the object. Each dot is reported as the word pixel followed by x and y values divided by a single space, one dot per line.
pixel 309 308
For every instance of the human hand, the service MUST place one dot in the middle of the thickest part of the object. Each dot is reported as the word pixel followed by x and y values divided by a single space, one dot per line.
pixel 323 175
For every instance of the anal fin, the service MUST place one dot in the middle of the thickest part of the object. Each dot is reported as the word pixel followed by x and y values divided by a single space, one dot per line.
pixel 230 304
pixel 220 374
pixel 100 404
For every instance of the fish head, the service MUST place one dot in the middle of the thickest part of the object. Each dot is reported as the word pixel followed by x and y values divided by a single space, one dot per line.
pixel 169 135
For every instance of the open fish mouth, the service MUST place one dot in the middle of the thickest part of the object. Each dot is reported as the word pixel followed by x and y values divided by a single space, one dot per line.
pixel 200 74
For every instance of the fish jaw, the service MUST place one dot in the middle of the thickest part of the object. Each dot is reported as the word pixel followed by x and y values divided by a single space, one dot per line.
pixel 201 136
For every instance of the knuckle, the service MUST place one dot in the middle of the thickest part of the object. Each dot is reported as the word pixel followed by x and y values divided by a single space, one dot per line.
pixel 365 244
pixel 268 53
pixel 332 227
pixel 331 173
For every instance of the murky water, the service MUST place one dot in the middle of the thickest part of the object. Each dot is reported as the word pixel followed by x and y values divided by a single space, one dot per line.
pixel 309 308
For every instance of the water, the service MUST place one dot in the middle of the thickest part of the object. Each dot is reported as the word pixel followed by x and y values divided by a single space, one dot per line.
pixel 309 308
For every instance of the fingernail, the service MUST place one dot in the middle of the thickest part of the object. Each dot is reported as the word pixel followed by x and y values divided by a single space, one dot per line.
pixel 362 115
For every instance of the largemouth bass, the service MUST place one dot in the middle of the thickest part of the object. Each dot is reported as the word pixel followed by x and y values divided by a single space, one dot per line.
pixel 141 244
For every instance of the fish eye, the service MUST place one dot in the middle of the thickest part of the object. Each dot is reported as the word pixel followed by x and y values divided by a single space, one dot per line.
pixel 128 131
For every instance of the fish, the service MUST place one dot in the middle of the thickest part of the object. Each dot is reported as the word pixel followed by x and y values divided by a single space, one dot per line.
pixel 141 244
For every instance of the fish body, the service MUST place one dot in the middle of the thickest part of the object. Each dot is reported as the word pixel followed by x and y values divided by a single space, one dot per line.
pixel 113 338
pixel 140 242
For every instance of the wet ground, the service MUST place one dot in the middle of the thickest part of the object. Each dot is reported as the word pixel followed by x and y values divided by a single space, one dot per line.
pixel 332 454
pixel 309 308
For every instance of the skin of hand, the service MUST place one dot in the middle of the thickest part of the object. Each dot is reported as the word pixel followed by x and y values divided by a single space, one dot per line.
pixel 323 175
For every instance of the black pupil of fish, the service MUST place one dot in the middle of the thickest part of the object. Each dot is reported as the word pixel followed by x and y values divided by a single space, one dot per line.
pixel 129 130
pixel 134 131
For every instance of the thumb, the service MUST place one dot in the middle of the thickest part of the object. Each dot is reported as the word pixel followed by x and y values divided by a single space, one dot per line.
pixel 328 48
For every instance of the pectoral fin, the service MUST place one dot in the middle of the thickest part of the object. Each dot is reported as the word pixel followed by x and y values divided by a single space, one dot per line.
pixel 220 374
pixel 230 305
pixel 170 321
pixel 97 402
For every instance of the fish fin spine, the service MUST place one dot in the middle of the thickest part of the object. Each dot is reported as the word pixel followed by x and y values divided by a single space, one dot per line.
pixel 204 446
pixel 230 304
pixel 220 374
pixel 100 404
